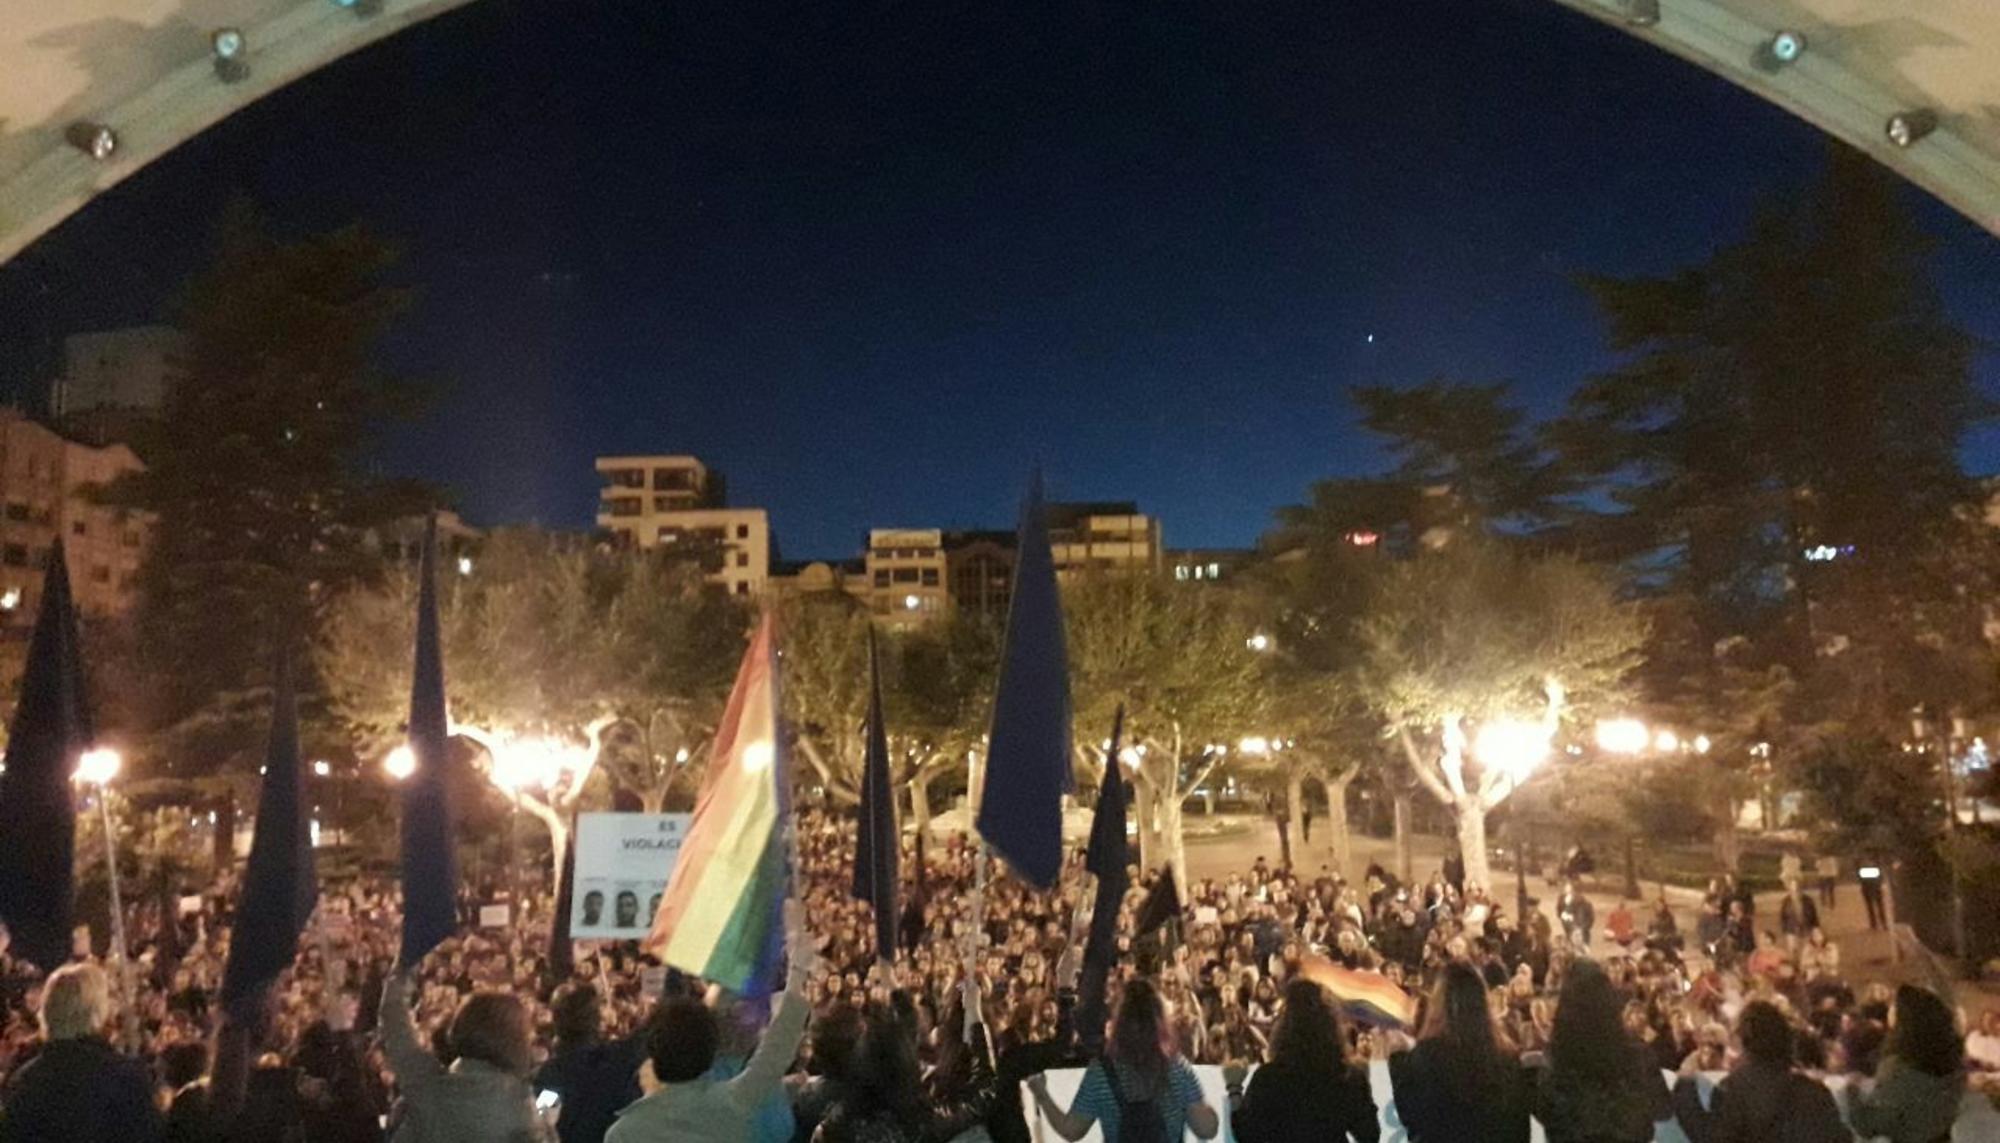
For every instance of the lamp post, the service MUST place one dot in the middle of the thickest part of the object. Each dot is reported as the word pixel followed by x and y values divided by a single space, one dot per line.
pixel 97 767
pixel 1921 727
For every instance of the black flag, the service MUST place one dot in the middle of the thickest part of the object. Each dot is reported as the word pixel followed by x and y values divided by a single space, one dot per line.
pixel 279 886
pixel 51 730
pixel 875 846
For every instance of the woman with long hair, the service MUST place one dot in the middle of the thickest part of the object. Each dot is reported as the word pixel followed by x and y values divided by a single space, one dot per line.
pixel 885 1099
pixel 1141 1075
pixel 1921 1081
pixel 1461 1082
pixel 1599 1087
pixel 1310 1090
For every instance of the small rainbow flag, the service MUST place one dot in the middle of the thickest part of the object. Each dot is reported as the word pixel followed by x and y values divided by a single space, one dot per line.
pixel 1367 997
pixel 721 916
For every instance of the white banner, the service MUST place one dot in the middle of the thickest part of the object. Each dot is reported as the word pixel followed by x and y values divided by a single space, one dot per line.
pixel 1977 1118
pixel 622 865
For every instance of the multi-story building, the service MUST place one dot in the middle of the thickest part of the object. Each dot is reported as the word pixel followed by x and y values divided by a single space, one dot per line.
pixel 128 369
pixel 658 501
pixel 979 572
pixel 1206 565
pixel 906 574
pixel 820 577
pixel 1112 536
pixel 46 486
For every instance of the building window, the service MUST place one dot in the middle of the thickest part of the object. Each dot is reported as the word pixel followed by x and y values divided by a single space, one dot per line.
pixel 16 510
pixel 930 577
pixel 1215 571
pixel 131 539
pixel 1180 571
pixel 14 556
pixel 742 588
pixel 881 577
pixel 626 506
pixel 743 559
pixel 906 575
pixel 78 528
pixel 625 478
pixel 100 574
pixel 742 531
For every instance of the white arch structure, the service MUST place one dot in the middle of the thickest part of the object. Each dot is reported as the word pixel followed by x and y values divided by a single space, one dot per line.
pixel 146 72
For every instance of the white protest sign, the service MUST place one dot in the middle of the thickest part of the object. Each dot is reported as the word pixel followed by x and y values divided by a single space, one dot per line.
pixel 623 862
pixel 1977 1117
pixel 493 916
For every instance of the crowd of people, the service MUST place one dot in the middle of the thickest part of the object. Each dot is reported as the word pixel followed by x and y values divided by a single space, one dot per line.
pixel 1518 1013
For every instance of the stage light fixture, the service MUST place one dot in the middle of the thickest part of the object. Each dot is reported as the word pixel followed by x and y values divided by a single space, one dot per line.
pixel 1905 128
pixel 94 139
pixel 229 49
pixel 1781 50
pixel 1642 13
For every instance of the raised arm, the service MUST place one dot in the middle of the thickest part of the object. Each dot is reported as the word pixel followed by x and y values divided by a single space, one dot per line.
pixel 765 1073
pixel 407 1056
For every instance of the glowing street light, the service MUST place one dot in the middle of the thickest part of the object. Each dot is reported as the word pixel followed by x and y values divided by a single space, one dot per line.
pixel 96 767
pixel 322 769
pixel 1702 744
pixel 1516 747
pixel 1257 746
pixel 401 762
pixel 758 756
pixel 1623 736
pixel 1667 742
pixel 1258 642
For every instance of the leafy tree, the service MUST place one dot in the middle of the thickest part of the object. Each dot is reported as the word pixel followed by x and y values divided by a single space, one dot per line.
pixel 937 686
pixel 1176 656
pixel 1871 797
pixel 559 659
pixel 1312 602
pixel 260 509
pixel 1463 641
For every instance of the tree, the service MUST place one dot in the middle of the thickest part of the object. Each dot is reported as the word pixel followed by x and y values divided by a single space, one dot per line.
pixel 559 658
pixel 260 510
pixel 1311 603
pixel 937 687
pixel 1473 656
pixel 1176 656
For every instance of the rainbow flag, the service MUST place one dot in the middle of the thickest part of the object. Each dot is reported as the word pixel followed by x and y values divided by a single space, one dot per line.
pixel 1367 997
pixel 721 916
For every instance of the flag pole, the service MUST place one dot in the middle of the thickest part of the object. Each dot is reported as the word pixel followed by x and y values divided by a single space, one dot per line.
pixel 974 937
pixel 128 991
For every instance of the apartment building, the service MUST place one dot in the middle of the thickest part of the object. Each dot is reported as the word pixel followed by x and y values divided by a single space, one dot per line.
pixel 1104 536
pixel 677 501
pixel 46 483
pixel 906 574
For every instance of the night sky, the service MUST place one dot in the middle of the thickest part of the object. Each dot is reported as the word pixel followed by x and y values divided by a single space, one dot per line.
pixel 876 259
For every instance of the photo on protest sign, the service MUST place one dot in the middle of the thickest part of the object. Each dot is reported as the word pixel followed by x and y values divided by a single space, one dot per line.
pixel 622 865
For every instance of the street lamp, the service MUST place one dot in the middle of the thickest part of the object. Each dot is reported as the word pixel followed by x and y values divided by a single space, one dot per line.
pixel 1514 746
pixel 97 767
pixel 401 763
pixel 1623 736
pixel 1258 642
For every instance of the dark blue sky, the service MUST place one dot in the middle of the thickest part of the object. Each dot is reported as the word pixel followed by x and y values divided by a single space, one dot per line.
pixel 875 259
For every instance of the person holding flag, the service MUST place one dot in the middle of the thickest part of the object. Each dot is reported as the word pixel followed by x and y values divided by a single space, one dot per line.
pixel 683 1103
